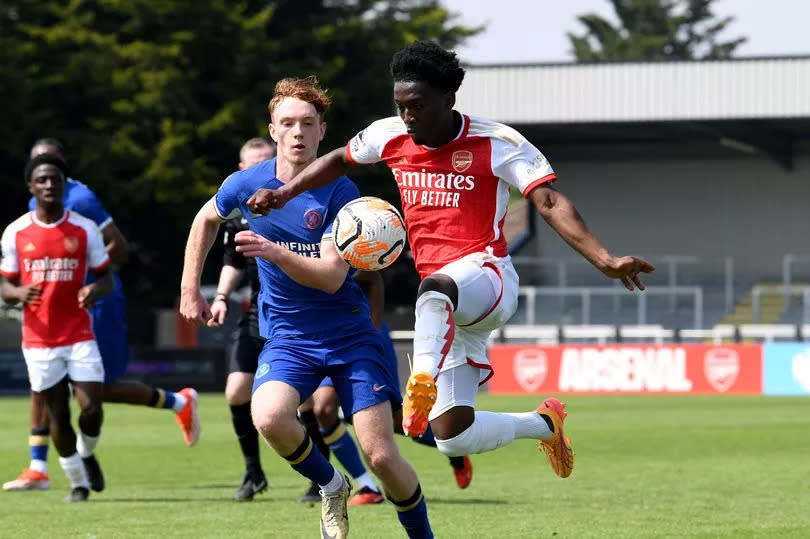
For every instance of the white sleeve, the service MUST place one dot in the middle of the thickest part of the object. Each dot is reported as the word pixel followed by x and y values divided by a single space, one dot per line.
pixel 9 265
pixel 519 163
pixel 366 147
pixel 97 258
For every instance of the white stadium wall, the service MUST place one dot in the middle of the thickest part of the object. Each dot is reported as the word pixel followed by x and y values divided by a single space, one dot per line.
pixel 745 207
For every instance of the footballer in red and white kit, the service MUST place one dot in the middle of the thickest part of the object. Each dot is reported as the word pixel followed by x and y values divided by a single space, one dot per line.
pixel 454 199
pixel 46 255
pixel 58 338
pixel 454 174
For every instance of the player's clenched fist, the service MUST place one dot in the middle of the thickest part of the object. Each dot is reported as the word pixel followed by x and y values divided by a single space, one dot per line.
pixel 193 308
pixel 265 200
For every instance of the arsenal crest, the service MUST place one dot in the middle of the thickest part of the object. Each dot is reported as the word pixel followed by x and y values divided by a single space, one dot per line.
pixel 462 160
pixel 531 368
pixel 71 244
pixel 721 367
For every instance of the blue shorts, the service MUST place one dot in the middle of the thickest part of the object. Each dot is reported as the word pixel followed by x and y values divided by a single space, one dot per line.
pixel 354 363
pixel 110 328
pixel 389 355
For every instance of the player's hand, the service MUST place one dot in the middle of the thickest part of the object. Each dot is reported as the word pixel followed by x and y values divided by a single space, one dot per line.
pixel 626 269
pixel 219 310
pixel 193 308
pixel 264 200
pixel 30 294
pixel 251 244
pixel 87 296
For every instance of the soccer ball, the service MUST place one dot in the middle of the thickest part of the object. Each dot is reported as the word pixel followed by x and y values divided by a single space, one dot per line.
pixel 369 233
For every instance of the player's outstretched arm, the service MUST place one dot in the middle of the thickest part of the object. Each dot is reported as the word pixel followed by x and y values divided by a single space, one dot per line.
pixel 326 273
pixel 193 307
pixel 560 213
pixel 320 172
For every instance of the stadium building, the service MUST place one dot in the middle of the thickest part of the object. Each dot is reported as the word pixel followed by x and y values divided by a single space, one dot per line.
pixel 701 166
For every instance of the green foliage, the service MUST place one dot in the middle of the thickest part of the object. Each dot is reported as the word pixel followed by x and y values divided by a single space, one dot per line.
pixel 655 30
pixel 153 99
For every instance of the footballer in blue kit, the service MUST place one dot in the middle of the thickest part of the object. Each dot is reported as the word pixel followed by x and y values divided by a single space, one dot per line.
pixel 313 313
pixel 311 334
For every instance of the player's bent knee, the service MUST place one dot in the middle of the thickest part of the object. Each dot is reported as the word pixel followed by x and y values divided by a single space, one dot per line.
pixel 238 388
pixel 458 446
pixel 325 413
pixel 383 459
pixel 441 283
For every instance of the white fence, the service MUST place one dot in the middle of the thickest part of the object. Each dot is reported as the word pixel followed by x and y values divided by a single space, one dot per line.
pixel 553 334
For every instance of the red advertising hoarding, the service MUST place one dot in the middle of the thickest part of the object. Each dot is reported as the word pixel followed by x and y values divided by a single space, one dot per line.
pixel 626 368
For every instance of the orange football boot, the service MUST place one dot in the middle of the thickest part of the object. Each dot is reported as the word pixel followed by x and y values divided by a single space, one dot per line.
pixel 558 447
pixel 189 418
pixel 420 396
pixel 464 475
pixel 366 496
pixel 29 480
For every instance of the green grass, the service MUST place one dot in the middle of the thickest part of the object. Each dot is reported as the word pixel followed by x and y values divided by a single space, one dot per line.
pixel 646 467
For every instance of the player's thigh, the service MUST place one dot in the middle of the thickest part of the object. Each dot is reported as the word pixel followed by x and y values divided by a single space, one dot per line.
pixel 274 406
pixel 374 428
pixel 46 366
pixel 89 395
pixel 325 404
pixel 238 388
pixel 454 410
pixel 487 290
pixel 84 363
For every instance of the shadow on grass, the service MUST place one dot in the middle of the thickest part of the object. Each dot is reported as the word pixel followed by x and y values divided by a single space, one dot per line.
pixel 464 501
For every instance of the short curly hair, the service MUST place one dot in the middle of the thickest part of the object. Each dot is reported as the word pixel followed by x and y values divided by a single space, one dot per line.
pixel 45 159
pixel 426 61
pixel 306 89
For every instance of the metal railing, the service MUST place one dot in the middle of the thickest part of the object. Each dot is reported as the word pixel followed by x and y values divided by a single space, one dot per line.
pixel 601 334
pixel 788 292
pixel 672 263
pixel 586 292
pixel 788 261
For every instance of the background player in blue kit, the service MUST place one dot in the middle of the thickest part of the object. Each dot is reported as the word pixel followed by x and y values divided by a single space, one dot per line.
pixel 314 315
pixel 110 328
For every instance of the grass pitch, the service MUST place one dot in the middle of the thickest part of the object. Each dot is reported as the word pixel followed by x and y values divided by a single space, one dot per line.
pixel 652 466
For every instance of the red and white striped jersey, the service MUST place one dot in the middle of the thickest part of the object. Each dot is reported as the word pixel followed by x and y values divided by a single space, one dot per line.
pixel 58 255
pixel 454 197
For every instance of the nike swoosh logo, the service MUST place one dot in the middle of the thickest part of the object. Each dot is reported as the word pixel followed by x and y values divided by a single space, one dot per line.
pixel 378 388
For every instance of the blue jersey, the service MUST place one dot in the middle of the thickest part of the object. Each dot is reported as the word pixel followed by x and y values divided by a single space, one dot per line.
pixel 287 308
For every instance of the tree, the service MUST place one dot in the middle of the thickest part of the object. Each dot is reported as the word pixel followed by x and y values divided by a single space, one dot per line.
pixel 153 99
pixel 655 30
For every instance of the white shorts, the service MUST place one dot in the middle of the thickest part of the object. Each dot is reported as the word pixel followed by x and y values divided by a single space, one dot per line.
pixel 80 361
pixel 487 299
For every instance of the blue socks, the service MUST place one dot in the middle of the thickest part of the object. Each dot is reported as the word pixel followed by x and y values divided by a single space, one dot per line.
pixel 342 445
pixel 412 514
pixel 311 464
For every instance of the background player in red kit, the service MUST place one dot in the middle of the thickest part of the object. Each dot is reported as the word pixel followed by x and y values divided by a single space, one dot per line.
pixel 454 173
pixel 46 256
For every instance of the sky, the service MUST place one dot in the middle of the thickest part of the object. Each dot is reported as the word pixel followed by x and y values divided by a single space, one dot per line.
pixel 520 31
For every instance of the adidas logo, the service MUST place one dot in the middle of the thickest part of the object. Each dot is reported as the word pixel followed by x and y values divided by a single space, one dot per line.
pixel 29 247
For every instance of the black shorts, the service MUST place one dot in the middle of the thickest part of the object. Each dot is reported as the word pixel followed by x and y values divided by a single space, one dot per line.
pixel 245 350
